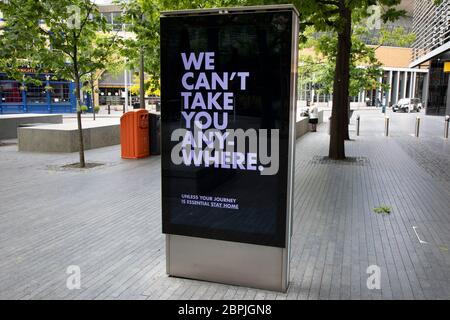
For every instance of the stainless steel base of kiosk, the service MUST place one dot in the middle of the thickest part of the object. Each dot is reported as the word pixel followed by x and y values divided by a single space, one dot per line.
pixel 227 262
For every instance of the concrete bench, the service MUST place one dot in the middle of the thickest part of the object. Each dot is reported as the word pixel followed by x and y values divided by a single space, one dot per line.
pixel 10 122
pixel 302 125
pixel 63 138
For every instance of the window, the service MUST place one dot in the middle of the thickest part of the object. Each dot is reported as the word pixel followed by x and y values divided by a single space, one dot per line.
pixel 36 94
pixel 61 92
pixel 10 92
pixel 117 21
pixel 107 16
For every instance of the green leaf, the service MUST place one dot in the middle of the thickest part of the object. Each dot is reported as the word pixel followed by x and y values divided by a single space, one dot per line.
pixel 384 210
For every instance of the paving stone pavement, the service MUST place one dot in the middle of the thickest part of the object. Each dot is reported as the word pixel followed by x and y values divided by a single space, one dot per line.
pixel 107 221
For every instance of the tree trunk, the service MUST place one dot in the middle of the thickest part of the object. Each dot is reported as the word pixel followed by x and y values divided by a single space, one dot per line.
pixel 78 97
pixel 339 113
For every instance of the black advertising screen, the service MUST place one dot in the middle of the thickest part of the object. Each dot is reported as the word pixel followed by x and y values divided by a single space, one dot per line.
pixel 225 114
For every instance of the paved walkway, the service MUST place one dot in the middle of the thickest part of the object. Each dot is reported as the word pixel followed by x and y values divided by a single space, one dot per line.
pixel 107 221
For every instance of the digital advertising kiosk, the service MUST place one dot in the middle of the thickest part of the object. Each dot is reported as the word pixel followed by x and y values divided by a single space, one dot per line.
pixel 228 100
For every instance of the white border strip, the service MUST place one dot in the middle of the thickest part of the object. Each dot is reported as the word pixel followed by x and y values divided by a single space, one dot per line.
pixel 417 235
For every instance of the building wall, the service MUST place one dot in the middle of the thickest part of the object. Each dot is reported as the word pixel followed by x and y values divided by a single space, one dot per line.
pixel 431 49
pixel 112 88
pixel 431 24
pixel 394 57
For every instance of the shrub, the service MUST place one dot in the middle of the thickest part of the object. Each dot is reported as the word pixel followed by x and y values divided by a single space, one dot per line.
pixel 382 209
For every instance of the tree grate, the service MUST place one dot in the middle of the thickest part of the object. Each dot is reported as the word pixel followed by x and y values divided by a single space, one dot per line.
pixel 353 161
pixel 75 166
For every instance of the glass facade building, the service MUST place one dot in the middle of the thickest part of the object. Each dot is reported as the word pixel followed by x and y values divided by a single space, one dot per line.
pixel 431 51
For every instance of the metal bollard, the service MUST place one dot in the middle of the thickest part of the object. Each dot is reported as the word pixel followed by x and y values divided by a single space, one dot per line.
pixel 386 126
pixel 417 126
pixel 358 120
pixel 447 120
pixel 109 109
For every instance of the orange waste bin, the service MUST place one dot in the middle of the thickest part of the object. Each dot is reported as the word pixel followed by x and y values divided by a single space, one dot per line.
pixel 134 134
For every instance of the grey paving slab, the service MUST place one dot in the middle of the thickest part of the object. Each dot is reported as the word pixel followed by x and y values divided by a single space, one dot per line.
pixel 108 222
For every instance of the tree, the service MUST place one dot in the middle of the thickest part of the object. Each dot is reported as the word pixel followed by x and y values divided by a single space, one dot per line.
pixel 149 86
pixel 324 15
pixel 338 16
pixel 365 69
pixel 142 17
pixel 113 64
pixel 59 36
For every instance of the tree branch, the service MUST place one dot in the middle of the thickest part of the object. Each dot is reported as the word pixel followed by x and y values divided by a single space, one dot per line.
pixel 86 18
